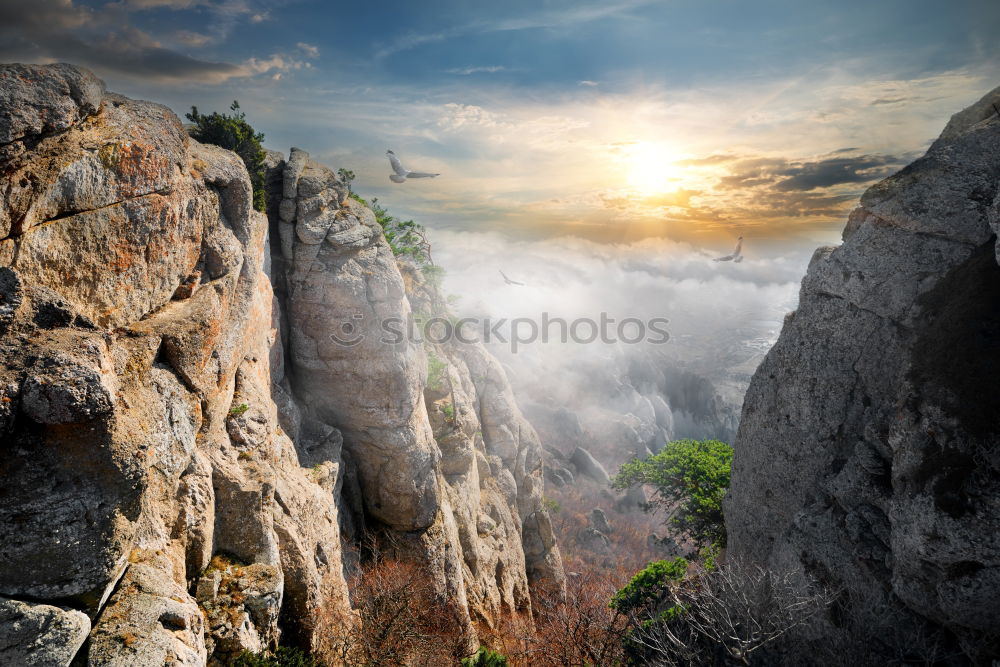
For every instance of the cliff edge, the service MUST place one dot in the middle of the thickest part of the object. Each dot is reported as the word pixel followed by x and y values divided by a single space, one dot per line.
pixel 186 449
pixel 867 455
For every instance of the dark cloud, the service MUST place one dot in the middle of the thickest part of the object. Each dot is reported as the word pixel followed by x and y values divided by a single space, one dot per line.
pixel 784 175
pixel 102 39
pixel 835 171
pixel 888 100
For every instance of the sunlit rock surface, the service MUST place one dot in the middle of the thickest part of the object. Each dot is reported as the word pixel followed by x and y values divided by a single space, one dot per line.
pixel 179 427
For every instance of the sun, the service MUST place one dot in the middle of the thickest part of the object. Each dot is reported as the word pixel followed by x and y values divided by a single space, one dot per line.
pixel 651 168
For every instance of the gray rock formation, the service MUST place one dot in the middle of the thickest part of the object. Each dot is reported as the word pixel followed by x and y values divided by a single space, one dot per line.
pixel 599 521
pixel 40 635
pixel 179 441
pixel 590 467
pixel 451 473
pixel 867 452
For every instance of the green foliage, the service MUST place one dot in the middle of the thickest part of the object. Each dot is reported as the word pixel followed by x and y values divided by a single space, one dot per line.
pixel 433 274
pixel 551 506
pixel 646 588
pixel 233 132
pixel 405 237
pixel 347 176
pixel 238 410
pixel 284 657
pixel 437 373
pixel 485 658
pixel 692 475
pixel 708 555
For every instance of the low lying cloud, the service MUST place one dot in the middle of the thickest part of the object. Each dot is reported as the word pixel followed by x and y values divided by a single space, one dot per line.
pixel 722 316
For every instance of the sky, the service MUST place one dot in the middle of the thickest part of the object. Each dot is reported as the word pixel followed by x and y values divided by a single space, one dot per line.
pixel 695 121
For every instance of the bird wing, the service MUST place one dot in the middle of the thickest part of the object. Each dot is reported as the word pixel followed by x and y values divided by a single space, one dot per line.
pixel 420 174
pixel 396 166
pixel 727 258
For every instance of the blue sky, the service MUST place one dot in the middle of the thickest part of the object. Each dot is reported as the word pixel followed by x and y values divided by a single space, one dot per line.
pixel 610 120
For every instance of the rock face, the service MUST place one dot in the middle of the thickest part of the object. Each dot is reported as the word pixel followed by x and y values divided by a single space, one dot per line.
pixel 868 450
pixel 178 441
pixel 40 635
pixel 449 473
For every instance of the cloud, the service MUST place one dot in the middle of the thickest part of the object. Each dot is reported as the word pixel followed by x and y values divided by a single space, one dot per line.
pixel 309 50
pixel 105 40
pixel 587 82
pixel 722 317
pixel 191 38
pixel 486 69
pixel 562 17
pixel 835 171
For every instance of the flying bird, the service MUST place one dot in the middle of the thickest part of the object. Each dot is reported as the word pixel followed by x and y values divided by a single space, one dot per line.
pixel 737 255
pixel 509 281
pixel 402 173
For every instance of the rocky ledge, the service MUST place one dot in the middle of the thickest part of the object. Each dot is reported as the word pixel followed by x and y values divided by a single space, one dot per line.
pixel 868 455
pixel 186 452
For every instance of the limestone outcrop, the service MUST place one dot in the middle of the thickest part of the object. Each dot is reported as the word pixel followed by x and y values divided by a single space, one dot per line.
pixel 186 447
pixel 448 470
pixel 867 455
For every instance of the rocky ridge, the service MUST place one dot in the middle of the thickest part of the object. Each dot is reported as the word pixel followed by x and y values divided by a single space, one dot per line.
pixel 867 454
pixel 187 453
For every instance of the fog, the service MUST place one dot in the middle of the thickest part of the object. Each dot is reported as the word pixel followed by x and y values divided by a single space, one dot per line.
pixel 723 317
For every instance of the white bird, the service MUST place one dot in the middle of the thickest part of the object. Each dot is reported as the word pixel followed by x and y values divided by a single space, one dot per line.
pixel 402 173
pixel 508 280
pixel 737 255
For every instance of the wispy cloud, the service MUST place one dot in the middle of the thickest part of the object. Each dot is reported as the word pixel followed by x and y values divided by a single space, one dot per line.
pixel 479 69
pixel 562 17
pixel 309 50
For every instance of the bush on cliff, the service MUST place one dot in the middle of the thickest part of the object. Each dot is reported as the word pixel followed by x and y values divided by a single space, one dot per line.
pixel 485 658
pixel 690 477
pixel 283 657
pixel 234 133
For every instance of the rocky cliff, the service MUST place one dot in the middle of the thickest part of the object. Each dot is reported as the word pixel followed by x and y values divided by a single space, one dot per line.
pixel 867 455
pixel 186 452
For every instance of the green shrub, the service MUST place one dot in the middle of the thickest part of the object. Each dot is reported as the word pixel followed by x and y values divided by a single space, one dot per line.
pixel 646 588
pixel 485 658
pixel 347 176
pixel 691 476
pixel 437 373
pixel 238 410
pixel 405 237
pixel 284 657
pixel 234 133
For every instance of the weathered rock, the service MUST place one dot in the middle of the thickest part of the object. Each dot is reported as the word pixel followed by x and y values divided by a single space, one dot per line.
pixel 452 471
pixel 150 620
pixel 40 635
pixel 590 467
pixel 171 428
pixel 599 521
pixel 44 99
pixel 867 450
pixel 137 336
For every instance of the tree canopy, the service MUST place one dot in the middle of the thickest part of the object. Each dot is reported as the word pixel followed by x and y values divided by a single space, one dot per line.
pixel 690 477
pixel 234 133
